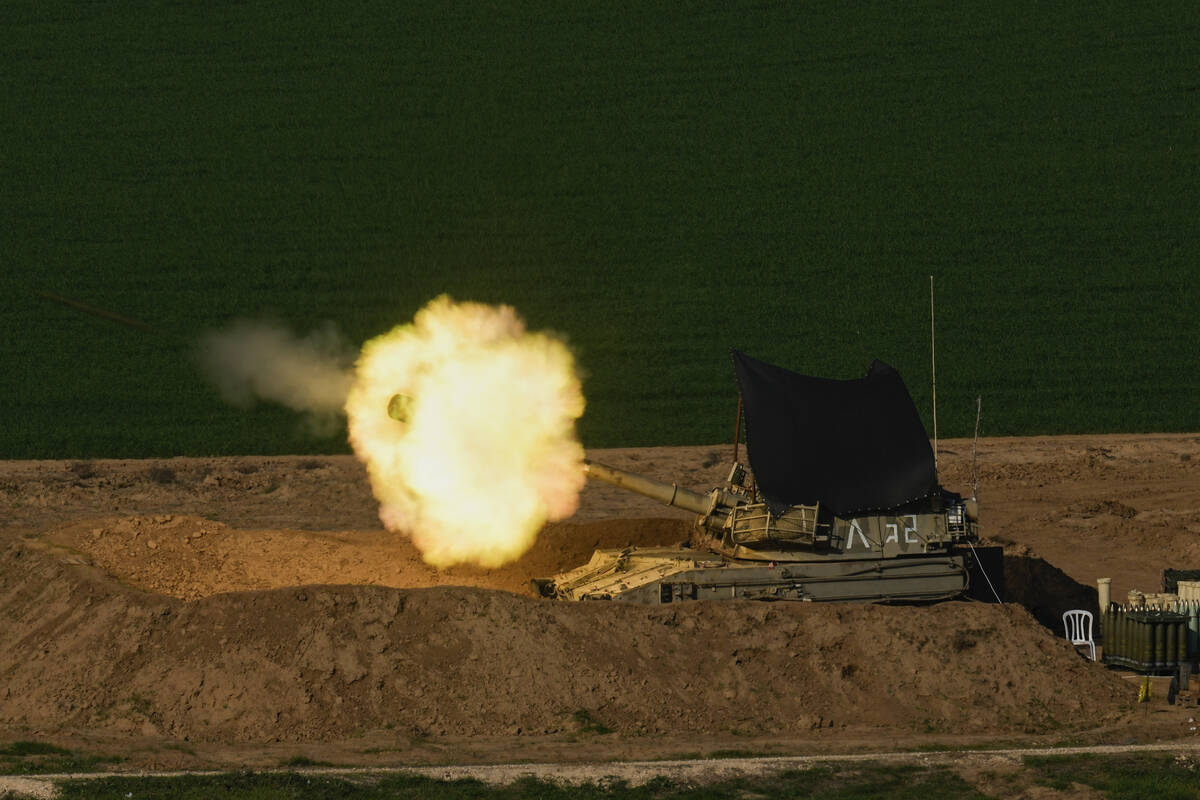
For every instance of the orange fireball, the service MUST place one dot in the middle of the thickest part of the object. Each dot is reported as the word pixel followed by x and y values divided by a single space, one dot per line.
pixel 480 450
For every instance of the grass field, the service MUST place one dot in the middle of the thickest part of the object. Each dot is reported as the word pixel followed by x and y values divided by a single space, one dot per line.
pixel 898 783
pixel 1128 777
pixel 658 182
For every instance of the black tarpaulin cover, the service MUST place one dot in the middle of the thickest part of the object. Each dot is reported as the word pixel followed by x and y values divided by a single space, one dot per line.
pixel 852 446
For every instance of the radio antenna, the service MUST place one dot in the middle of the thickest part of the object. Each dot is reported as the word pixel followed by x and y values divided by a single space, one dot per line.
pixel 975 449
pixel 933 374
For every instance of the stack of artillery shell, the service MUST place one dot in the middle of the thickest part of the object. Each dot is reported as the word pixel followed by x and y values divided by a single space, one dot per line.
pixel 1151 640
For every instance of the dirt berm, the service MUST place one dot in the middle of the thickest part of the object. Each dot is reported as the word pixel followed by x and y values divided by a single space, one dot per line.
pixel 319 662
pixel 256 600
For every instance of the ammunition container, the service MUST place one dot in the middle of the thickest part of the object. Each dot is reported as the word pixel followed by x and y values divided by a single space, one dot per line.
pixel 1150 641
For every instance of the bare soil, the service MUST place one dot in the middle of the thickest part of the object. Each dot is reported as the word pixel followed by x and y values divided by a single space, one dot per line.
pixel 247 611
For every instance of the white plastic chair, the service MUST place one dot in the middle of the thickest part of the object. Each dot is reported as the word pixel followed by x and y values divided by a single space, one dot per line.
pixel 1078 625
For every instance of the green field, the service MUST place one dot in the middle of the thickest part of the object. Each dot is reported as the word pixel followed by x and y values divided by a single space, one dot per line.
pixel 896 783
pixel 658 182
pixel 1132 775
pixel 1119 777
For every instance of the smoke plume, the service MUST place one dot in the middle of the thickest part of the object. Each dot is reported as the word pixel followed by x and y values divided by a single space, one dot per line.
pixel 251 361
pixel 464 420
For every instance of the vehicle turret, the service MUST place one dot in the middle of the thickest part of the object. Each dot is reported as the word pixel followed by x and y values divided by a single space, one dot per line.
pixel 843 504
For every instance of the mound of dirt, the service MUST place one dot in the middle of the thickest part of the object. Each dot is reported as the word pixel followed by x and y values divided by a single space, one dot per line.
pixel 192 557
pixel 251 600
pixel 322 662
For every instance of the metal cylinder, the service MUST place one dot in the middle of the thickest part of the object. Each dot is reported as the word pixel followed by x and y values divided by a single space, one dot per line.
pixel 1158 660
pixel 1138 648
pixel 1105 629
pixel 670 494
pixel 1145 641
pixel 1123 625
pixel 1193 629
pixel 1131 647
pixel 1103 597
pixel 1126 638
pixel 1116 633
pixel 1103 592
pixel 1118 623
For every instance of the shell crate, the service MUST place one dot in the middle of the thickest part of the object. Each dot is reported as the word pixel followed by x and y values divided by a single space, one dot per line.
pixel 1150 641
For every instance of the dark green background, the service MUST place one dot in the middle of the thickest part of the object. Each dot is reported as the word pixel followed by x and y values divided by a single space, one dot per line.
pixel 658 182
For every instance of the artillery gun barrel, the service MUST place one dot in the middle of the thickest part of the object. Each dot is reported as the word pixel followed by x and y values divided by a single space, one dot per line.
pixel 671 494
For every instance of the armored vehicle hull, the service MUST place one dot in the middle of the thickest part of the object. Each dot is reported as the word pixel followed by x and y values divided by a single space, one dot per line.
pixel 843 505
pixel 666 575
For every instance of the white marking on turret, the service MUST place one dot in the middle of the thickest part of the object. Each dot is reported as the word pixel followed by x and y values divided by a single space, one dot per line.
pixel 856 528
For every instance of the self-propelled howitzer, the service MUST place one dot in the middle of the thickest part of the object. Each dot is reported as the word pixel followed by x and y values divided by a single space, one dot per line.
pixel 860 545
